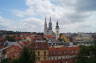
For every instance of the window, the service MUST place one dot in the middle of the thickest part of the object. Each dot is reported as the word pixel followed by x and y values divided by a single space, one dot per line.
pixel 38 53
pixel 44 53
pixel 44 58
pixel 38 58
pixel 72 51
pixel 66 62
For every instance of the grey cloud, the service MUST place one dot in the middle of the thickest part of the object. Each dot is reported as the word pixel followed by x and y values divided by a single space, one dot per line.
pixel 83 10
pixel 78 6
pixel 78 17
pixel 86 5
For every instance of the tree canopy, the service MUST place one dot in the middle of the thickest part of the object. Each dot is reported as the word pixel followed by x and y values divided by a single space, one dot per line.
pixel 27 56
pixel 87 54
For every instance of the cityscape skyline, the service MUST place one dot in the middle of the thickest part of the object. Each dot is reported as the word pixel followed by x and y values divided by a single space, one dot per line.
pixel 29 15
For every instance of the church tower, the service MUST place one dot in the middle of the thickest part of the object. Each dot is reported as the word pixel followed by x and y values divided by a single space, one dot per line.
pixel 45 27
pixel 48 29
pixel 50 32
pixel 57 30
pixel 50 24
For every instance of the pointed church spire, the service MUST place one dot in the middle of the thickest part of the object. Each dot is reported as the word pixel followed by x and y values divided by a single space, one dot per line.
pixel 57 26
pixel 45 27
pixel 57 30
pixel 45 19
pixel 50 18
pixel 57 23
pixel 50 24
pixel 45 22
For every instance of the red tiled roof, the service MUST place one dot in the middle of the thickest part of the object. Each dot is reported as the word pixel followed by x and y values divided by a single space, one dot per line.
pixel 49 36
pixel 63 48
pixel 2 46
pixel 39 45
pixel 59 61
pixel 63 51
pixel 1 38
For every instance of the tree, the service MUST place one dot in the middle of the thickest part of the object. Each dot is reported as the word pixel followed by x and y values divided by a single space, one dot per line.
pixel 94 41
pixel 9 38
pixel 87 54
pixel 5 60
pixel 27 56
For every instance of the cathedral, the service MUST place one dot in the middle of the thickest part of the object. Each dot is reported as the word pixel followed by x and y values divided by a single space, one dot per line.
pixel 48 29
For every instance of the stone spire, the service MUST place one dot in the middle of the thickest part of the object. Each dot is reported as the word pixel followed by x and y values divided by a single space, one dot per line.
pixel 50 24
pixel 45 27
pixel 57 30
pixel 57 26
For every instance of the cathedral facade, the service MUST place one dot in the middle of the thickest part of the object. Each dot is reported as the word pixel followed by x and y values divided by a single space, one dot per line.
pixel 48 28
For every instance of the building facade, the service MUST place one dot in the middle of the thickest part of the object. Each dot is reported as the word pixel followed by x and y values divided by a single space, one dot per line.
pixel 41 50
pixel 62 55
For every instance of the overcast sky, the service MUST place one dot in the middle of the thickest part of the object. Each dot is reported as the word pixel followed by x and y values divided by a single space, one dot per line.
pixel 29 15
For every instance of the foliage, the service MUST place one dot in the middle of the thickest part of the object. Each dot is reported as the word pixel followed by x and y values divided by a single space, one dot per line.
pixel 9 38
pixel 87 54
pixel 5 60
pixel 27 56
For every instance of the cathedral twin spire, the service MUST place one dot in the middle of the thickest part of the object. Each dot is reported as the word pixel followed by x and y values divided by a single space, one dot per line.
pixel 48 30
